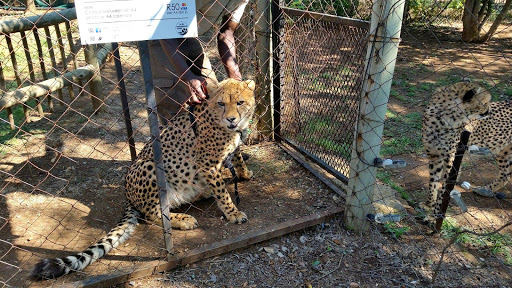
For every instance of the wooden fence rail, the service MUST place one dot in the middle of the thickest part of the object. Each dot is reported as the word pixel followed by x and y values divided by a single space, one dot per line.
pixel 63 78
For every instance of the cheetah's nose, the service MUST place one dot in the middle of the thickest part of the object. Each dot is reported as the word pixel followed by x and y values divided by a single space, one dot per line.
pixel 231 119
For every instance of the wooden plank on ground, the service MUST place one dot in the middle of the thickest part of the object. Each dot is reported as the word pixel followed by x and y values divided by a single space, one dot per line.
pixel 217 248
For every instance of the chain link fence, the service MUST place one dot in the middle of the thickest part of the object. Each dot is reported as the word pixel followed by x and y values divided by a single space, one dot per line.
pixel 74 117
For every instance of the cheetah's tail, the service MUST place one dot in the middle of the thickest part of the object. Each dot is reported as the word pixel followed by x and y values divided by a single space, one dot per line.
pixel 56 267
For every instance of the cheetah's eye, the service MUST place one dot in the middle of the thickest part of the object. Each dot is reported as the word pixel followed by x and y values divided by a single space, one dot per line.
pixel 240 103
pixel 221 104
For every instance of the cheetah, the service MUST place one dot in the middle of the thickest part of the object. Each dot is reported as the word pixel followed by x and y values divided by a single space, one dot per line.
pixel 453 109
pixel 193 150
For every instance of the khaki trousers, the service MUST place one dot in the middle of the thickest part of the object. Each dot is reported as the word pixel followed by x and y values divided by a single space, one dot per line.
pixel 171 94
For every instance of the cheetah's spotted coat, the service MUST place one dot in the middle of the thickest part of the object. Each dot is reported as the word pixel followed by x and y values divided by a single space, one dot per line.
pixel 192 157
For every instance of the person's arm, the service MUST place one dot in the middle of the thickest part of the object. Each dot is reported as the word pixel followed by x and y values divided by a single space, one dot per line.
pixel 227 47
pixel 178 60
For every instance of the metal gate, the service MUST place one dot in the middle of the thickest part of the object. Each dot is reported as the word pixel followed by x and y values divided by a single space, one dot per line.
pixel 322 58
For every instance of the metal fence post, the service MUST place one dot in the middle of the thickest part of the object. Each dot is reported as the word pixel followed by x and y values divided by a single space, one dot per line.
pixel 157 148
pixel 380 63
pixel 276 65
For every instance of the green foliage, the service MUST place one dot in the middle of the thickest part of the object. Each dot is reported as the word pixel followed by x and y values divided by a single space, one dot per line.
pixel 345 8
pixel 395 229
pixel 428 10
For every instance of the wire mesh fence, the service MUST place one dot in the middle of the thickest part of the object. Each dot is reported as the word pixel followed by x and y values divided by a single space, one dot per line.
pixel 65 153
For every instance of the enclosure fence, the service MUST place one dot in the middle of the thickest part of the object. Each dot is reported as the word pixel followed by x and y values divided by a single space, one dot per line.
pixel 342 88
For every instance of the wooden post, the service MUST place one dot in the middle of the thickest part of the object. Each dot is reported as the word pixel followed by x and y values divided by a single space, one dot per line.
pixel 10 114
pixel 380 64
pixel 124 99
pixel 31 6
pixel 31 72
pixel 37 21
pixel 56 72
pixel 263 76
pixel 95 83
pixel 73 52
pixel 63 57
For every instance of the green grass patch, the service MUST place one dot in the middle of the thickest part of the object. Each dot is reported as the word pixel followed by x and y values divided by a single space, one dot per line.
pixel 448 80
pixel 385 177
pixel 408 125
pixel 319 132
pixel 401 145
pixel 13 137
pixel 498 244
pixel 395 229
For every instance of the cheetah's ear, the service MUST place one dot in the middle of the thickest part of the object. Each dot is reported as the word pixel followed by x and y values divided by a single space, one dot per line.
pixel 469 95
pixel 250 84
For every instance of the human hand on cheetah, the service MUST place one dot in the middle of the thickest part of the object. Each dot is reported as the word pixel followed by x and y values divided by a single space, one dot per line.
pixel 197 86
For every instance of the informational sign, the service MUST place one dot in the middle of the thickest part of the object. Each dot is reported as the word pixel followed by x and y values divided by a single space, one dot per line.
pixel 106 21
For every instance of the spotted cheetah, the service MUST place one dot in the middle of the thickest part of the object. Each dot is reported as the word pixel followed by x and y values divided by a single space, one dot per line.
pixel 193 150
pixel 453 109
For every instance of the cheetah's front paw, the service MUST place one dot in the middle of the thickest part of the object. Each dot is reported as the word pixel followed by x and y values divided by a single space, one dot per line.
pixel 246 176
pixel 237 217
pixel 185 222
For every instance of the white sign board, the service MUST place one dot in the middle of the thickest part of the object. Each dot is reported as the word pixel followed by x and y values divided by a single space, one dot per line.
pixel 106 21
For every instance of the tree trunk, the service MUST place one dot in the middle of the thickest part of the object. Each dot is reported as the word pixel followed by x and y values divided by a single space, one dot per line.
pixel 496 23
pixel 476 13
pixel 470 20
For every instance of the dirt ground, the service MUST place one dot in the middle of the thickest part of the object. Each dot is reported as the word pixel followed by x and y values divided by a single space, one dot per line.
pixel 53 205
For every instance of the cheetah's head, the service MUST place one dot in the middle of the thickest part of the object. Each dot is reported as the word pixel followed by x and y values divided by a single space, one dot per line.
pixel 456 105
pixel 234 103
pixel 475 103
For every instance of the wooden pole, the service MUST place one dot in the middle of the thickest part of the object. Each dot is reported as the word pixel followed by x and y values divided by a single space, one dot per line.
pixel 380 64
pixel 276 65
pixel 72 48
pixel 54 68
pixel 63 58
pixel 10 115
pixel 95 84
pixel 14 62
pixel 31 70
pixel 263 78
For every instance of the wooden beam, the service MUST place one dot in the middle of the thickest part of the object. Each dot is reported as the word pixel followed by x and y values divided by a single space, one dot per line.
pixel 204 252
pixel 39 21
pixel 40 89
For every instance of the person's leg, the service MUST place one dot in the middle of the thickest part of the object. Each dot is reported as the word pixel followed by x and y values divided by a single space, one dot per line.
pixel 169 103
pixel 201 63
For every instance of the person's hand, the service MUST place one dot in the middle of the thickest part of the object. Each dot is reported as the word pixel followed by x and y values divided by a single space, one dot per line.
pixel 195 84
